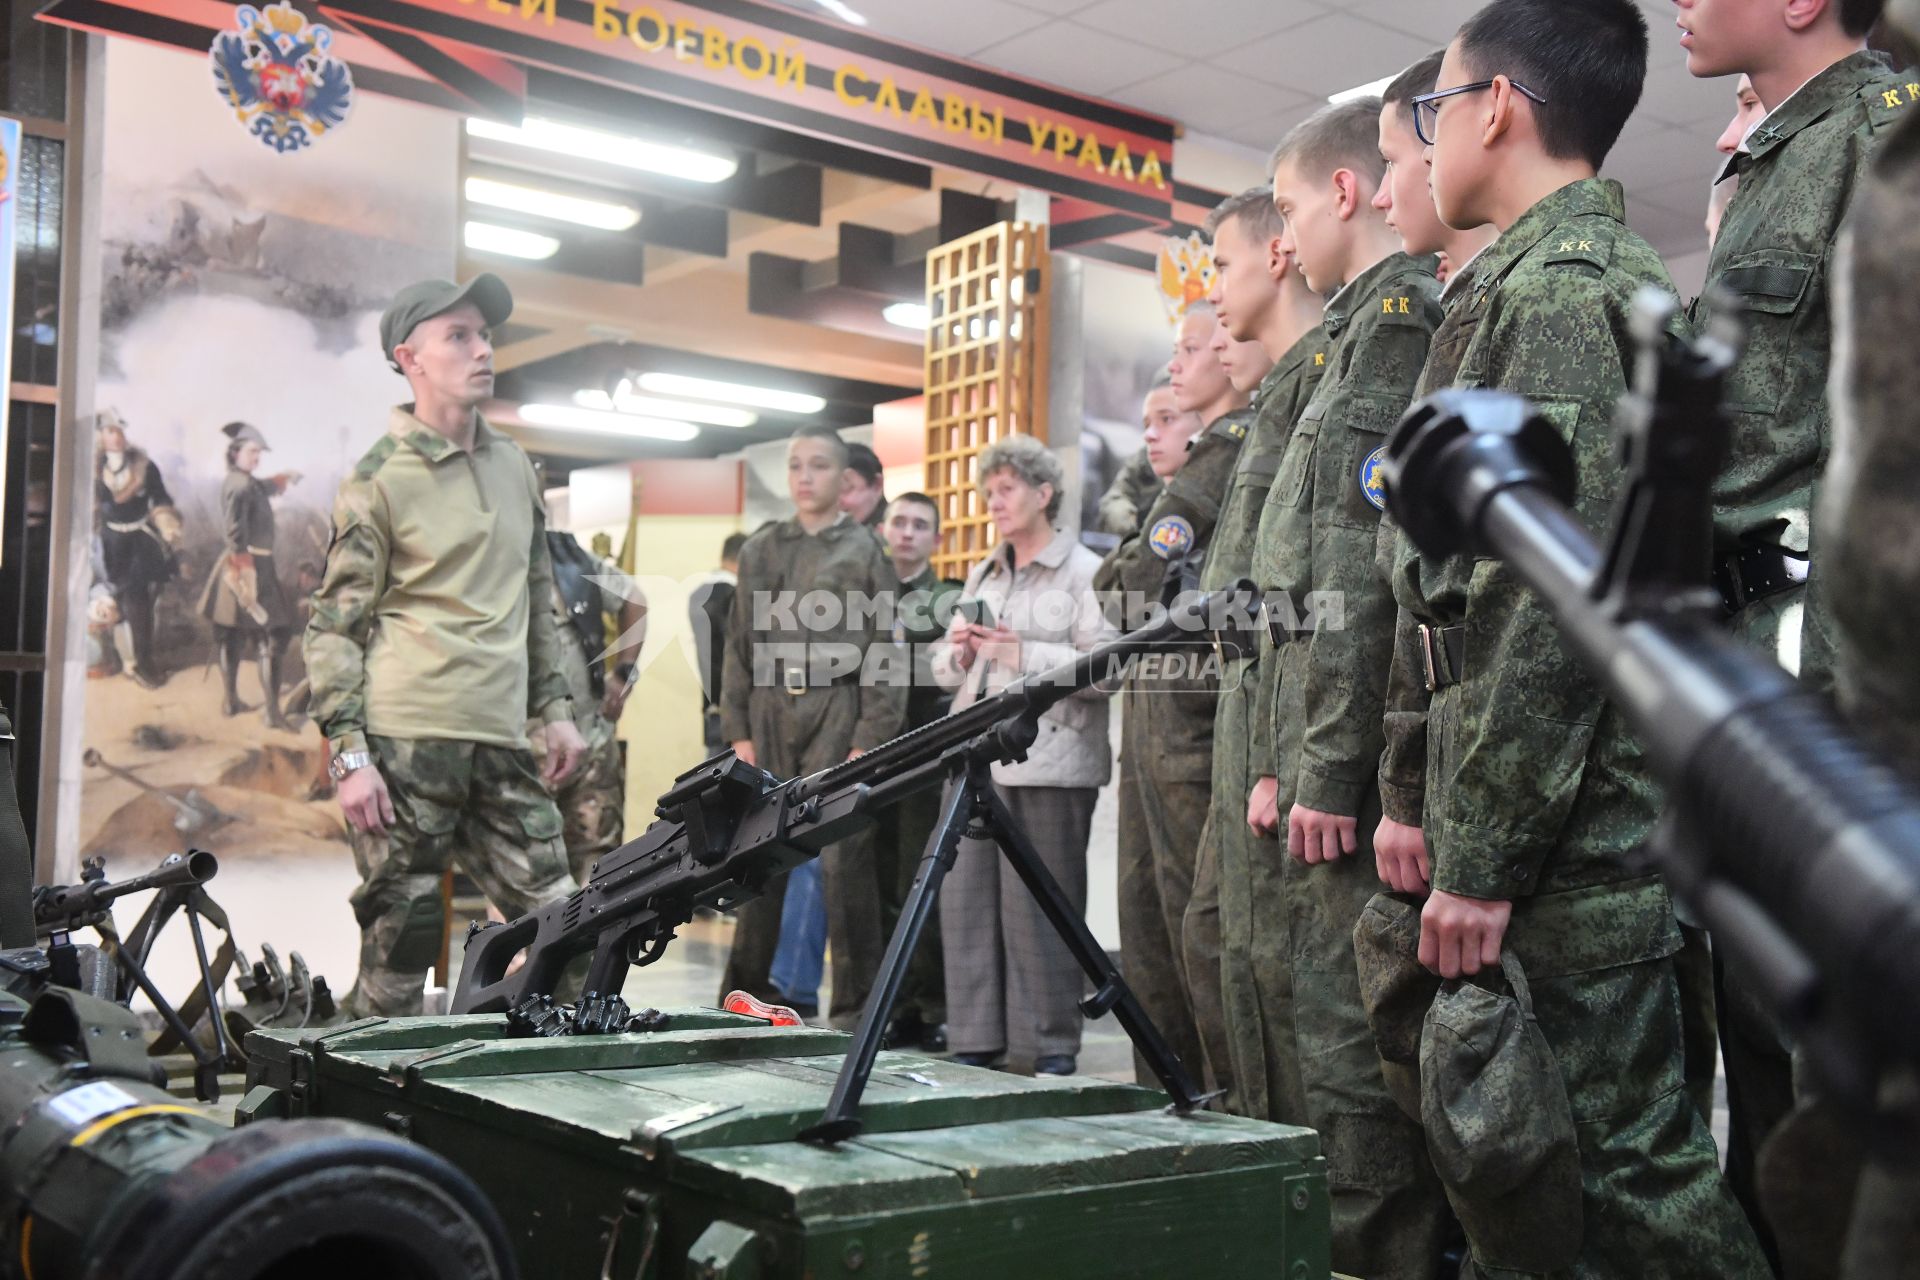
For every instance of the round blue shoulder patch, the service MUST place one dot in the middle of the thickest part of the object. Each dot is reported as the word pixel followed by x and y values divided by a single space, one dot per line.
pixel 1373 485
pixel 1171 537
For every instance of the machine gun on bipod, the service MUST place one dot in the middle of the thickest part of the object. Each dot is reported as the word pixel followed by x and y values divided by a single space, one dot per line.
pixel 117 969
pixel 1795 846
pixel 727 829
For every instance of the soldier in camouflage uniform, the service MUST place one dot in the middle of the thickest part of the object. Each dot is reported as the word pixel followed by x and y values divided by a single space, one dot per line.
pixel 1829 103
pixel 1124 505
pixel 1537 796
pixel 803 691
pixel 1399 850
pixel 1873 582
pixel 1262 300
pixel 430 644
pixel 1331 622
pixel 1166 728
pixel 587 591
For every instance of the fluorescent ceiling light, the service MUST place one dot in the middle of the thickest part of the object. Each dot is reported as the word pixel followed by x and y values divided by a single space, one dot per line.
pixel 609 148
pixel 907 315
pixel 601 214
pixel 1371 87
pixel 489 238
pixel 675 384
pixel 842 12
pixel 571 418
pixel 624 401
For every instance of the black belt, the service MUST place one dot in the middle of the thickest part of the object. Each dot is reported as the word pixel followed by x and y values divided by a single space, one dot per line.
pixel 1443 653
pixel 1233 644
pixel 1283 632
pixel 1754 573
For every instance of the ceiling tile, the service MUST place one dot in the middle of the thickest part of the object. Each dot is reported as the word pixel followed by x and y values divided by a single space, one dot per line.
pixel 1685 195
pixel 1209 28
pixel 1263 133
pixel 1058 8
pixel 1678 98
pixel 1326 55
pixel 1077 57
pixel 1431 20
pixel 949 28
pixel 1208 99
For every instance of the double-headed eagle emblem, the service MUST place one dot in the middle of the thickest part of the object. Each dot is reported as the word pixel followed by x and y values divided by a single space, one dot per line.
pixel 276 72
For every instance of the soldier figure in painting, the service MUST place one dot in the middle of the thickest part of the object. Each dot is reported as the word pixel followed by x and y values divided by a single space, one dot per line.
pixel 139 537
pixel 243 598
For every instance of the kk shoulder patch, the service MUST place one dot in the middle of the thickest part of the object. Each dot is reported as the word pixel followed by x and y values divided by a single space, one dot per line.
pixel 1579 248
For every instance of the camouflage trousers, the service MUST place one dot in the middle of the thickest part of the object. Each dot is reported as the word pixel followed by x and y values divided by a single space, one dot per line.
pixel 900 838
pixel 1249 933
pixel 1390 1216
pixel 478 807
pixel 1160 822
pixel 1653 1201
pixel 593 799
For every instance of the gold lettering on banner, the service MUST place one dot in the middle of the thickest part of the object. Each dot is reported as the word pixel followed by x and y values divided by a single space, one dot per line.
pixel 790 69
pixel 713 48
pixel 840 90
pixel 658 40
pixel 763 60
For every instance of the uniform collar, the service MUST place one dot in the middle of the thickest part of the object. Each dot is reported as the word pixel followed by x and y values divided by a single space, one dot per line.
pixel 1341 306
pixel 430 444
pixel 1462 276
pixel 920 581
pixel 1587 197
pixel 791 527
pixel 1809 104
pixel 1309 344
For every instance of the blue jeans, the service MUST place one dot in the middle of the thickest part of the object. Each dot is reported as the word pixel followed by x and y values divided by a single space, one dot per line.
pixel 800 959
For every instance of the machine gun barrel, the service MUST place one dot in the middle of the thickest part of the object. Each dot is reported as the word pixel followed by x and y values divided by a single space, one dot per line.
pixel 726 829
pixel 60 906
pixel 1795 844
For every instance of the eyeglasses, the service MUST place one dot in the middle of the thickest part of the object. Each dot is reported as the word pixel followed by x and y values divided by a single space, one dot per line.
pixel 1426 106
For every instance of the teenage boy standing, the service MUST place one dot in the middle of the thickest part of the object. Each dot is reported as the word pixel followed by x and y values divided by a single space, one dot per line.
pixel 1537 795
pixel 1315 546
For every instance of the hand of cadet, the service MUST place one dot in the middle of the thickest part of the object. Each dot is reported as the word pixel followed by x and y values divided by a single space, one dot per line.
pixel 1001 646
pixel 1313 836
pixel 614 700
pixel 1462 935
pixel 565 749
pixel 856 753
pixel 363 798
pixel 743 749
pixel 1263 807
pixel 1400 856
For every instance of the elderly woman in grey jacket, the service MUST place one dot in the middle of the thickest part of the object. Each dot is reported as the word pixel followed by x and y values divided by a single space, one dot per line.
pixel 1012 985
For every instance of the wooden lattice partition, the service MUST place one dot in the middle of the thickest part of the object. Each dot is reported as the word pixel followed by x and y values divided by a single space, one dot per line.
pixel 986 371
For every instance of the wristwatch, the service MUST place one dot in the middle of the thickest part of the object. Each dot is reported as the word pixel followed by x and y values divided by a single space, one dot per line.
pixel 348 761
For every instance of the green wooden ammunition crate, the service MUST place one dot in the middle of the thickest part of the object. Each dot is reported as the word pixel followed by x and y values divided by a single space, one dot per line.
pixel 670 1154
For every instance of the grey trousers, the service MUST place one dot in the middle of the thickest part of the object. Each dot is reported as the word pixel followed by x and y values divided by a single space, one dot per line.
pixel 1011 983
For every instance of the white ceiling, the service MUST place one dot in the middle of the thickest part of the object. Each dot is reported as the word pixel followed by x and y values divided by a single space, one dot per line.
pixel 1247 70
